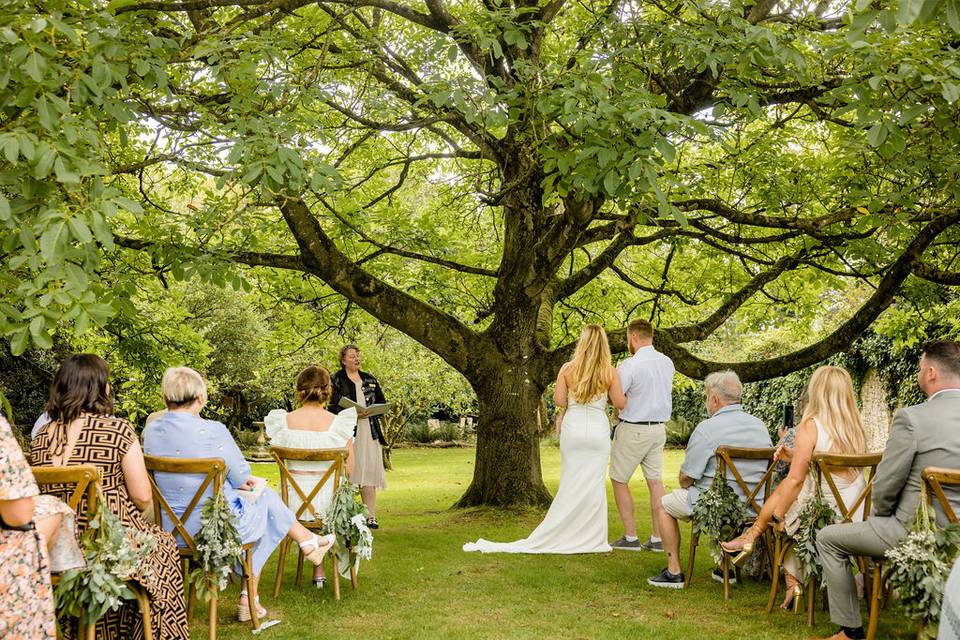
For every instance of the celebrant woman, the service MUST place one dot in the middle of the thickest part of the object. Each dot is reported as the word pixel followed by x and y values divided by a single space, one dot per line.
pixel 363 389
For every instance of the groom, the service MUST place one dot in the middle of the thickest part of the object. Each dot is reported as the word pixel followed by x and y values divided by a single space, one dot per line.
pixel 647 381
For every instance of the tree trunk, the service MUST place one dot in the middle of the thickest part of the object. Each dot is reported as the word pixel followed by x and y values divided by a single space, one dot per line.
pixel 507 467
pixel 387 453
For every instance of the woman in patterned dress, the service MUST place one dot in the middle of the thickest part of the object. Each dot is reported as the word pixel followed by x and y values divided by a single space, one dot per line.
pixel 83 431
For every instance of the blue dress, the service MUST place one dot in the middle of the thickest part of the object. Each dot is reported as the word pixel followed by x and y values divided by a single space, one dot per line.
pixel 177 434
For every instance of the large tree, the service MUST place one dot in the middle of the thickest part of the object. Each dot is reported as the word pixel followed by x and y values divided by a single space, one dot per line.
pixel 486 176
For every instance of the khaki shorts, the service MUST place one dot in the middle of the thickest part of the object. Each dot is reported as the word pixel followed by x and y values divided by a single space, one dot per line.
pixel 677 504
pixel 637 445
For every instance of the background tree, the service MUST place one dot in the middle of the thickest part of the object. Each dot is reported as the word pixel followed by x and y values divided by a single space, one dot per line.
pixel 486 177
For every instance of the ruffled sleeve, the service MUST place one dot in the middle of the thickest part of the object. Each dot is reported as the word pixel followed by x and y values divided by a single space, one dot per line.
pixel 345 424
pixel 275 422
pixel 16 480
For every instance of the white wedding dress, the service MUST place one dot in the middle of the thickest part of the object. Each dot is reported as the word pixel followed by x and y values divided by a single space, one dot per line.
pixel 577 519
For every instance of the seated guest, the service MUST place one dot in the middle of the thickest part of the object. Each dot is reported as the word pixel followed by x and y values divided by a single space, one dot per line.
pixel 312 427
pixel 82 430
pixel 26 598
pixel 182 433
pixel 830 424
pixel 924 435
pixel 729 425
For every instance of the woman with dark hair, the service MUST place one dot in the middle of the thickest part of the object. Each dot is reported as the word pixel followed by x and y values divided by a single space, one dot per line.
pixel 83 430
pixel 362 388
pixel 312 427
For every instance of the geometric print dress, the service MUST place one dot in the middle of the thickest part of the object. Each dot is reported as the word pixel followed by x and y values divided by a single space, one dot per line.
pixel 103 442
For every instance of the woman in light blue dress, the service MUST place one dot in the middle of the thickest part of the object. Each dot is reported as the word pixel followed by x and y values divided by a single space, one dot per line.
pixel 182 433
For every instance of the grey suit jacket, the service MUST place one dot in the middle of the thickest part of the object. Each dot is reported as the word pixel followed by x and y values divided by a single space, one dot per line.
pixel 924 435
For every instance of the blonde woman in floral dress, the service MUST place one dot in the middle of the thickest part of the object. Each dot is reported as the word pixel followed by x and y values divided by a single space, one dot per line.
pixel 830 424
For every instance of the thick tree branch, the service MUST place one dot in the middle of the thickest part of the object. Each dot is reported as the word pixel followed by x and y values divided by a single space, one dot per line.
pixel 703 329
pixel 383 248
pixel 605 259
pixel 250 258
pixel 431 327
pixel 939 276
pixel 839 339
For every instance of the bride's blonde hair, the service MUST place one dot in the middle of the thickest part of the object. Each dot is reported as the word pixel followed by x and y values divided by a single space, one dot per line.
pixel 832 402
pixel 590 370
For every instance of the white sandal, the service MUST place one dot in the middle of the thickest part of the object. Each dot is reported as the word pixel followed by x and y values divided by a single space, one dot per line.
pixel 319 549
pixel 243 608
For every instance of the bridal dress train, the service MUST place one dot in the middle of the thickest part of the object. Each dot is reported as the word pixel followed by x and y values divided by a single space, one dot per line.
pixel 577 519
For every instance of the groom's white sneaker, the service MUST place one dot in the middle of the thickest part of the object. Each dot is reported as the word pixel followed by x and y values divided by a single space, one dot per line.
pixel 627 545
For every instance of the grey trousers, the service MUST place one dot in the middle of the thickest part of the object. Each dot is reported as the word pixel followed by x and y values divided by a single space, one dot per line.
pixel 835 544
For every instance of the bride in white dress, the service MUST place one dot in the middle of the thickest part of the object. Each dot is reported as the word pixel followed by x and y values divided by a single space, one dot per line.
pixel 577 519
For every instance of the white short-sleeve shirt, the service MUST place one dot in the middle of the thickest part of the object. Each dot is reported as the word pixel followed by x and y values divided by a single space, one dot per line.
pixel 647 381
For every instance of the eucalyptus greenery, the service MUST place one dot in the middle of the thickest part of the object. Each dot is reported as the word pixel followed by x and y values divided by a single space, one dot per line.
pixel 346 518
pixel 815 514
pixel 919 567
pixel 718 514
pixel 112 552
pixel 219 547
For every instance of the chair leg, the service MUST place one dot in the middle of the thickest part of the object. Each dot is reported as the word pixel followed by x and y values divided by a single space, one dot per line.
pixel 725 565
pixel 877 587
pixel 191 598
pixel 694 539
pixel 144 601
pixel 251 592
pixel 281 565
pixel 213 609
pixel 299 569
pixel 84 630
pixel 336 573
pixel 353 570
pixel 775 574
pixel 811 601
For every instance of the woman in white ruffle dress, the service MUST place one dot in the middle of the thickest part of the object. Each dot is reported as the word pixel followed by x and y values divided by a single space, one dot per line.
pixel 312 427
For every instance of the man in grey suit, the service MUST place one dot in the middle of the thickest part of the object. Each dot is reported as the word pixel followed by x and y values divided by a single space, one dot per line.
pixel 924 435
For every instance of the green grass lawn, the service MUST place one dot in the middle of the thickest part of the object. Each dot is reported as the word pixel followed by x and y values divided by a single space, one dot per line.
pixel 420 584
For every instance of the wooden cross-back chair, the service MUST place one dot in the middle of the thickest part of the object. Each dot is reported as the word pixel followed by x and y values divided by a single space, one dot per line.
pixel 82 481
pixel 306 514
pixel 214 472
pixel 727 458
pixel 824 466
pixel 933 479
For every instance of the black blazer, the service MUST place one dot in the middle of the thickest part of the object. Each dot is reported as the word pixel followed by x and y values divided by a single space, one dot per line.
pixel 372 394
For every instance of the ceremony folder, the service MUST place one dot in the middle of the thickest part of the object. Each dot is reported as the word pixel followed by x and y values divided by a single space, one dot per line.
pixel 372 410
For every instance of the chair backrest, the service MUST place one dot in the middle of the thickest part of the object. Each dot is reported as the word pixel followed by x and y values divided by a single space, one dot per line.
pixel 934 478
pixel 827 464
pixel 213 470
pixel 77 482
pixel 337 458
pixel 727 458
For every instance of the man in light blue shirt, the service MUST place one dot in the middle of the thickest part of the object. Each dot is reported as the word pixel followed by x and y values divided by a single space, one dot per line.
pixel 728 425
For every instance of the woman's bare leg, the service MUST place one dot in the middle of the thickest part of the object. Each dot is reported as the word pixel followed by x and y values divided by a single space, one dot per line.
pixel 369 495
